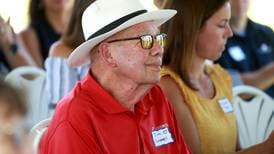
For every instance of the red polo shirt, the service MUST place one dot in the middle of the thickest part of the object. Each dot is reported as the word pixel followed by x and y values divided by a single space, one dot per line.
pixel 89 120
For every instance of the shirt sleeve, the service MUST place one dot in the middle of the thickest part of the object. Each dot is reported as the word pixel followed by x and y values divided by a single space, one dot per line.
pixel 68 140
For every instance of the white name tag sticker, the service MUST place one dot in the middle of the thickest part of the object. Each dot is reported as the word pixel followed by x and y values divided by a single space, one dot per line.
pixel 236 53
pixel 162 136
pixel 265 48
pixel 226 105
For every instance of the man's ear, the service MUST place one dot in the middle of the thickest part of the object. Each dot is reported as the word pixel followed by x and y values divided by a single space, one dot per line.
pixel 106 54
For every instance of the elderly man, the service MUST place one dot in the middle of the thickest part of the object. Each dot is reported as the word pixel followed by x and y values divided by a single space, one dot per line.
pixel 117 108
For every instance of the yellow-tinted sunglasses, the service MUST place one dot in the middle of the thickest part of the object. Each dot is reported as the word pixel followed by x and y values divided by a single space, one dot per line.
pixel 147 40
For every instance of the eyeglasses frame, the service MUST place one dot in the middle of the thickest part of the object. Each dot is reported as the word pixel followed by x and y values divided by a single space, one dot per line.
pixel 140 38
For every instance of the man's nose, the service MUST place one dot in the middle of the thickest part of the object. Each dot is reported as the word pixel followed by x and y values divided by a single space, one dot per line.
pixel 156 49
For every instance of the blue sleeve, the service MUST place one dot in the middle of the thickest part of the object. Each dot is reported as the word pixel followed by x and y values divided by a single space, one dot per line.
pixel 60 78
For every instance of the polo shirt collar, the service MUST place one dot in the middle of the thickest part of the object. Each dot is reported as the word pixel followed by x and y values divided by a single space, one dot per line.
pixel 145 104
pixel 103 100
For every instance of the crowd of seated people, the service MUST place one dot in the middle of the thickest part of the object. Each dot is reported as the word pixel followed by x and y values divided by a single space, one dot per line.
pixel 142 73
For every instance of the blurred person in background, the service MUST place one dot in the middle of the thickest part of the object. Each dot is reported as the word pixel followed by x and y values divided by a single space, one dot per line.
pixel 161 3
pixel 12 54
pixel 250 51
pixel 48 20
pixel 60 76
pixel 12 111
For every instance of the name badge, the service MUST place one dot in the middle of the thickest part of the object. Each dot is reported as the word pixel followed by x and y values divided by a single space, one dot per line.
pixel 265 48
pixel 225 105
pixel 162 136
pixel 236 53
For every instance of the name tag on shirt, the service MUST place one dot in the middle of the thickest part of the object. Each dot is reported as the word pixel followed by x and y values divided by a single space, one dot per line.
pixel 265 48
pixel 162 136
pixel 226 105
pixel 236 53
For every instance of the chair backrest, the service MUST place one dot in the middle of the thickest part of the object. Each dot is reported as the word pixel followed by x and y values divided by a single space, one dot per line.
pixel 32 81
pixel 37 132
pixel 255 116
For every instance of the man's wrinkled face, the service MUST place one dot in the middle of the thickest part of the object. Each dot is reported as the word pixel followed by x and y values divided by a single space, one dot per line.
pixel 133 61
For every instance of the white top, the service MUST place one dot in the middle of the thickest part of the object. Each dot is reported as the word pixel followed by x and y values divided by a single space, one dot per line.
pixel 61 78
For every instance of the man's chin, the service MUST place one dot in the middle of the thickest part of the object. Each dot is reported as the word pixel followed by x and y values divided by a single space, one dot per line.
pixel 153 81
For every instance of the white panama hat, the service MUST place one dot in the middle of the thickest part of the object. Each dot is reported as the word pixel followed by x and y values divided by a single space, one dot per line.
pixel 103 18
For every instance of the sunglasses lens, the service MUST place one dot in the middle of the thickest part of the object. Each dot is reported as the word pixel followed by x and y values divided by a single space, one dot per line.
pixel 147 41
pixel 161 39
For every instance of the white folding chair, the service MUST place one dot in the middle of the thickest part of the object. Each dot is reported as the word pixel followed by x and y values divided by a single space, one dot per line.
pixel 37 132
pixel 32 81
pixel 255 117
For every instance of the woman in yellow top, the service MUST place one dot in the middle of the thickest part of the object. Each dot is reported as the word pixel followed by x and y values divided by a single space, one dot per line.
pixel 201 94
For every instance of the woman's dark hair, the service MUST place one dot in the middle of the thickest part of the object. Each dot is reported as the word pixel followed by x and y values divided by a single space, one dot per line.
pixel 183 30
pixel 74 36
pixel 36 10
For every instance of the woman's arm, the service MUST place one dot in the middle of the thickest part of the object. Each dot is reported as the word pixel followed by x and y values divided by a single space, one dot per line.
pixel 31 44
pixel 267 147
pixel 262 78
pixel 11 47
pixel 183 114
